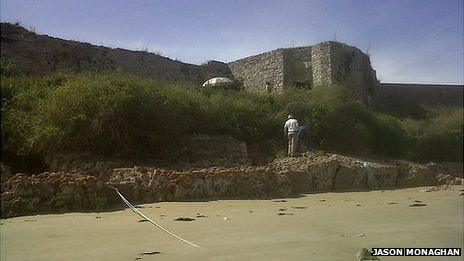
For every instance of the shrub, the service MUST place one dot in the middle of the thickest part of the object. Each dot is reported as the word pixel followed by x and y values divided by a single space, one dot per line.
pixel 114 113
pixel 9 68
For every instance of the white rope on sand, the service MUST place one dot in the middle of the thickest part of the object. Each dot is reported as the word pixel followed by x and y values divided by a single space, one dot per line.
pixel 135 210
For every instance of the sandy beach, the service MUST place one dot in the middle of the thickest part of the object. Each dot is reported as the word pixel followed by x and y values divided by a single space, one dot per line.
pixel 325 226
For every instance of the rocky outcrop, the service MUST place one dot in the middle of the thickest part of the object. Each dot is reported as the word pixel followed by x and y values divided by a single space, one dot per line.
pixel 52 191
pixel 415 175
pixel 144 184
pixel 63 191
pixel 78 191
pixel 335 172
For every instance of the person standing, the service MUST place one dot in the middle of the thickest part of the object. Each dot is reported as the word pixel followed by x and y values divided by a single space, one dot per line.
pixel 305 142
pixel 291 128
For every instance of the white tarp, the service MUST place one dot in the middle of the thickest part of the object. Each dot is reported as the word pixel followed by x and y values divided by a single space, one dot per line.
pixel 218 81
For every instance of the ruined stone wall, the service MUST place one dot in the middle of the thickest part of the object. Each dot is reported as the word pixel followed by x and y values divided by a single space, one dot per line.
pixel 397 96
pixel 77 191
pixel 321 67
pixel 352 68
pixel 41 54
pixel 309 66
pixel 255 71
pixel 297 63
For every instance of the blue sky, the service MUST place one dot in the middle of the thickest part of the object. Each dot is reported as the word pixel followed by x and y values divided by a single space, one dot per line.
pixel 408 40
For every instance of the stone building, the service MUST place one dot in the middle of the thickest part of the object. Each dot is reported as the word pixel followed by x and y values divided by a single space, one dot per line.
pixel 308 67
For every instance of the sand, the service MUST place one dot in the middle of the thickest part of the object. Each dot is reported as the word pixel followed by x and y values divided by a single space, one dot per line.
pixel 325 226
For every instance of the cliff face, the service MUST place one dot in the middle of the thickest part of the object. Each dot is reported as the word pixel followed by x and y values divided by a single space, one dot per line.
pixel 41 54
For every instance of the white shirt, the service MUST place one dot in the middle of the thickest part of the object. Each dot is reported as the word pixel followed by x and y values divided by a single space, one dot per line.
pixel 291 125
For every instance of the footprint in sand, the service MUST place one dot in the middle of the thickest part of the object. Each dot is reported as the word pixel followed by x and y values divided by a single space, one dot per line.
pixel 299 207
pixel 280 200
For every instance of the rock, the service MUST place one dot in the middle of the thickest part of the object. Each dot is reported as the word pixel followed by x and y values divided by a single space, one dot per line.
pixel 350 178
pixel 365 255
pixel 324 174
pixel 300 181
pixel 454 169
pixel 444 179
pixel 52 191
pixel 156 183
pixel 385 175
pixel 415 175
pixel 184 219
pixel 5 174
pixel 418 204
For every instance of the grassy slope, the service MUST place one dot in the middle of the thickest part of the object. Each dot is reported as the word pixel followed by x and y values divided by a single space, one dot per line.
pixel 114 113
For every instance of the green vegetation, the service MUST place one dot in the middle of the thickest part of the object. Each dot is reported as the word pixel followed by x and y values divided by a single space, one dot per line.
pixel 126 115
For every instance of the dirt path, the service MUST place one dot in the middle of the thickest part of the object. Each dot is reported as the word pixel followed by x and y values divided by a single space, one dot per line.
pixel 327 226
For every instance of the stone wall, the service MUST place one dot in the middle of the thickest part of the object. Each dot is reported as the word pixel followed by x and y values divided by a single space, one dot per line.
pixel 297 63
pixel 320 56
pixel 41 54
pixel 254 71
pixel 352 68
pixel 400 96
pixel 308 67
pixel 75 191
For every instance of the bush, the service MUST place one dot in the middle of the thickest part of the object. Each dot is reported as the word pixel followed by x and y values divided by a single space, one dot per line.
pixel 438 138
pixel 114 113
pixel 9 68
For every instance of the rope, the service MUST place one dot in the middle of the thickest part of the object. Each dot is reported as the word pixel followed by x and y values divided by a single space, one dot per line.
pixel 136 211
